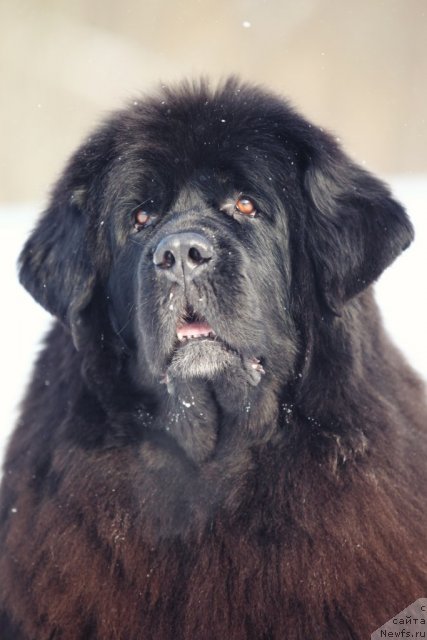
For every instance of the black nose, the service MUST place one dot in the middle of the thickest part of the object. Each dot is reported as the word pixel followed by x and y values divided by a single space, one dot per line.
pixel 182 255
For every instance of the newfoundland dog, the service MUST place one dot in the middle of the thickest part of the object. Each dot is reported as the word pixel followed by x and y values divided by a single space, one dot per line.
pixel 219 441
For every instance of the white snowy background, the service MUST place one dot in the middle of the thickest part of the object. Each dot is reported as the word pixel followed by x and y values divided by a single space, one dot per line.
pixel 401 292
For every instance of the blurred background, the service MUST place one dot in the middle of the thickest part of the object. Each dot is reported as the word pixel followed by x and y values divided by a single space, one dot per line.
pixel 356 67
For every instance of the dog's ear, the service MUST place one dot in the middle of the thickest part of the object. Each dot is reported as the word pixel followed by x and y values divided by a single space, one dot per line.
pixel 56 264
pixel 354 229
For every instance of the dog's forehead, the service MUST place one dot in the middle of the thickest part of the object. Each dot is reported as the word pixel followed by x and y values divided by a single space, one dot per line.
pixel 202 189
pixel 204 128
pixel 189 198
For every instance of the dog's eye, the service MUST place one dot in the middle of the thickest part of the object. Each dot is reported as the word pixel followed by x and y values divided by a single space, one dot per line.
pixel 246 206
pixel 141 218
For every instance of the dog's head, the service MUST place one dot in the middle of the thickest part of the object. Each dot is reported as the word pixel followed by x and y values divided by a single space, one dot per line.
pixel 201 222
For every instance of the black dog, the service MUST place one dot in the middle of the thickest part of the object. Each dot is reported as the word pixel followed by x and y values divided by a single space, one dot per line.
pixel 219 442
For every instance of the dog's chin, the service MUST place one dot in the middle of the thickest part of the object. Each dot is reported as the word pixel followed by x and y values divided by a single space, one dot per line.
pixel 202 358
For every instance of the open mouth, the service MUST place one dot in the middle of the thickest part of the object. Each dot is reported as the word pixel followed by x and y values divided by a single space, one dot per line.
pixel 207 355
pixel 194 327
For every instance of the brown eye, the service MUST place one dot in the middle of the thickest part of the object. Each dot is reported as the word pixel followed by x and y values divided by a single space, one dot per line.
pixel 246 206
pixel 141 218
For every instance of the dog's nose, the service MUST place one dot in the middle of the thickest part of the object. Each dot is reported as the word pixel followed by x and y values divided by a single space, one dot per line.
pixel 181 255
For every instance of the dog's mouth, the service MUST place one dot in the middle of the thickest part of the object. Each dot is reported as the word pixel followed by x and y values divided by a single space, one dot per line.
pixel 200 352
pixel 192 327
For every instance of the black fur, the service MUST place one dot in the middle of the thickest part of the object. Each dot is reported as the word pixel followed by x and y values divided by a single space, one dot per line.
pixel 269 483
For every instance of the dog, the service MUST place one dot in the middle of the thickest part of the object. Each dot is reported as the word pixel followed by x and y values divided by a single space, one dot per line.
pixel 219 441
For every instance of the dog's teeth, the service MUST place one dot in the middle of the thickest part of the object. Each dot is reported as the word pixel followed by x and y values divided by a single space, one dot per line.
pixel 196 336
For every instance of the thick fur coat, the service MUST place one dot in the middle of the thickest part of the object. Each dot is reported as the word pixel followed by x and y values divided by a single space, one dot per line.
pixel 219 441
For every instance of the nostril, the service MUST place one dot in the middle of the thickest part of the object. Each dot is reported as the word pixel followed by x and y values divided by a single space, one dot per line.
pixel 167 260
pixel 195 255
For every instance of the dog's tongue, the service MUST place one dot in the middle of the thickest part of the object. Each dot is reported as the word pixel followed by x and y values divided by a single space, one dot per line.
pixel 194 330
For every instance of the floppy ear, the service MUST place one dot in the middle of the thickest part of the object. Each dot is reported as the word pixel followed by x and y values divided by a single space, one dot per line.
pixel 355 229
pixel 57 263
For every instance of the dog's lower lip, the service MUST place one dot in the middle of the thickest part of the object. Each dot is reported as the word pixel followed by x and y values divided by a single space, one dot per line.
pixel 195 330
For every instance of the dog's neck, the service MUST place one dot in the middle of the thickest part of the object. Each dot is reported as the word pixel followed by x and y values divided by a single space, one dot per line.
pixel 206 416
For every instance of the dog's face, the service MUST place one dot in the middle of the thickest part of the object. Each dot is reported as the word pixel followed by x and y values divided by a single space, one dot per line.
pixel 193 287
pixel 211 225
